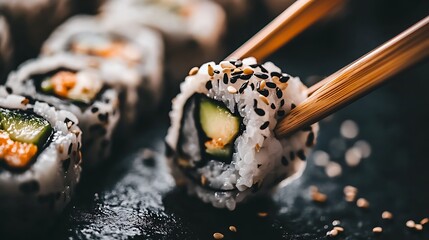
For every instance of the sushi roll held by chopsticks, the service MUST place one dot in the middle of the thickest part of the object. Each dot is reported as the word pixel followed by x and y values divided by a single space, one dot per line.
pixel 40 162
pixel 72 83
pixel 222 137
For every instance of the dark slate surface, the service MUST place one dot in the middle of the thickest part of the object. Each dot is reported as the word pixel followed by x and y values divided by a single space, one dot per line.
pixel 134 197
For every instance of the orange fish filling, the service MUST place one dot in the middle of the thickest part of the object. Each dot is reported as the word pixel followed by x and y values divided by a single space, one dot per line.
pixel 63 82
pixel 15 154
pixel 115 49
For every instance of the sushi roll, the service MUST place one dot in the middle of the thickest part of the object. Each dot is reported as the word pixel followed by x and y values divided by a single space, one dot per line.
pixel 192 29
pixel 130 59
pixel 40 163
pixel 221 141
pixel 6 49
pixel 24 15
pixel 71 83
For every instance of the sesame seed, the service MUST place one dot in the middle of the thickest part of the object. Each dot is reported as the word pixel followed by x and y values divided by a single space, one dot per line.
pixel 362 203
pixel 284 78
pixel 273 106
pixel 348 189
pixel 217 235
pixel 317 196
pixel 282 102
pixel 301 154
pixel 263 69
pixel 234 79
pixel 333 169
pixel 264 99
pixel 257 147
pixel 284 161
pixel 210 70
pixel 332 233
pixel 424 221
pixel 292 106
pixel 310 139
pixel 226 64
pixel 410 224
pixel 193 71
pixel 283 86
pixel 387 215
pixel 237 71
pixel 262 85
pixel 262 214
pixel 377 230
pixel 349 129
pixel 261 75
pixel 232 90
pixel 203 180
pixel 265 125
pixel 264 92
pixel 209 85
pixel 260 112
pixel 25 101
pixel 225 78
pixel 248 71
pixel 232 228
pixel 339 229
pixel 275 74
pixel 245 77
pixel 276 79
pixel 226 70
pixel 238 63
pixel 271 85
pixel 243 87
pixel 279 93
pixel 418 227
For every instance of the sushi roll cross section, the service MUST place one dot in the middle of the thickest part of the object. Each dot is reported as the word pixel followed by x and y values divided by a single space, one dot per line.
pixel 221 141
pixel 40 163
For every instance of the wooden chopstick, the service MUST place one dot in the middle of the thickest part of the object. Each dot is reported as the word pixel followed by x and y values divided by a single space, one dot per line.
pixel 360 77
pixel 286 26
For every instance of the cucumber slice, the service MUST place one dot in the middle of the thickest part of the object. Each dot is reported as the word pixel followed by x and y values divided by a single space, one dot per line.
pixel 24 127
pixel 219 125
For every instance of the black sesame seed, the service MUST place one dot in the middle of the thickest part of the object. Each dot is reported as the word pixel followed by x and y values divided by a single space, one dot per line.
pixel 284 78
pixel 301 154
pixel 209 85
pixel 107 100
pixel 254 65
pixel 236 73
pixel 66 164
pixel 216 71
pixel 264 92
pixel 103 117
pixel 271 85
pixel 238 63
pixel 275 74
pixel 255 103
pixel 285 162
pixel 281 113
pixel 29 187
pixel 234 79
pixel 279 93
pixel 265 125
pixel 292 106
pixel 261 75
pixel 252 86
pixel 263 69
pixel 94 109
pixel 243 86
pixel 245 77
pixel 9 90
pixel 68 122
pixel 225 78
pixel 149 162
pixel 260 111
pixel 232 61
pixel 292 155
pixel 310 139
pixel 282 102
pixel 273 106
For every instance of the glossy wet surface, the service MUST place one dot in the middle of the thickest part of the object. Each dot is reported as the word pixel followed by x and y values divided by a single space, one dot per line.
pixel 134 197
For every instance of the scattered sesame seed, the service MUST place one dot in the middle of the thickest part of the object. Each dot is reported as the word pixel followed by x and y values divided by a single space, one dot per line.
pixel 257 147
pixel 245 77
pixel 377 230
pixel 418 227
pixel 218 235
pixel 333 169
pixel 209 85
pixel 336 222
pixel 410 224
pixel 387 215
pixel 275 74
pixel 279 93
pixel 210 70
pixel 364 148
pixel 264 125
pixel 260 111
pixel 349 129
pixel 203 180
pixel 226 64
pixel 339 229
pixel 284 78
pixel 243 87
pixel 264 92
pixel 362 203
pixel 262 85
pixel 232 229
pixel 237 71
pixel 353 156
pixel 262 214
pixel 248 71
pixel 271 85
pixel 320 158
pixel 25 101
pixel 232 90
pixel 193 71
pixel 264 99
pixel 226 70
pixel 276 79
pixel 318 197
pixel 424 221
pixel 332 233
pixel 225 78
pixel 283 86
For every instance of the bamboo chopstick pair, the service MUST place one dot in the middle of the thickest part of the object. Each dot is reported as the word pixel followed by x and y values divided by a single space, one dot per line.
pixel 347 84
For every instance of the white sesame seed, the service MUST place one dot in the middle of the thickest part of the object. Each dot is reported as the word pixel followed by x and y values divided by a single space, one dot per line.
pixel 336 222
pixel 333 169
pixel 226 64
pixel 218 236
pixel 410 224
pixel 362 203
pixel 339 229
pixel 262 85
pixel 210 70
pixel 424 221
pixel 231 89
pixel 193 71
pixel 232 229
pixel 377 230
pixel 418 227
pixel 264 99
pixel 387 215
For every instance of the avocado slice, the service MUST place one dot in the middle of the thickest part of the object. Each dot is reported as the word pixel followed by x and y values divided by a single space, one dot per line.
pixel 24 127
pixel 219 125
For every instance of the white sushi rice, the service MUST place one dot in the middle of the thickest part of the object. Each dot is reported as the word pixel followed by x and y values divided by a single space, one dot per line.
pixel 32 198
pixel 141 79
pixel 98 120
pixel 260 160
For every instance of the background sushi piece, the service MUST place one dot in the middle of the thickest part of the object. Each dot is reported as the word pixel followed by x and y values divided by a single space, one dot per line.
pixel 98 115
pixel 31 198
pixel 130 59
pixel 6 49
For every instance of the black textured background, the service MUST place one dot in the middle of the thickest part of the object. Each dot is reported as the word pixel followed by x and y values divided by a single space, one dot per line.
pixel 133 197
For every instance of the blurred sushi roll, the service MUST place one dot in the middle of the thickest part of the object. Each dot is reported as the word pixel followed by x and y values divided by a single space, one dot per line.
pixel 40 163
pixel 71 83
pixel 6 49
pixel 221 141
pixel 130 59
pixel 236 10
pixel 192 29
pixel 25 15
pixel 275 7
